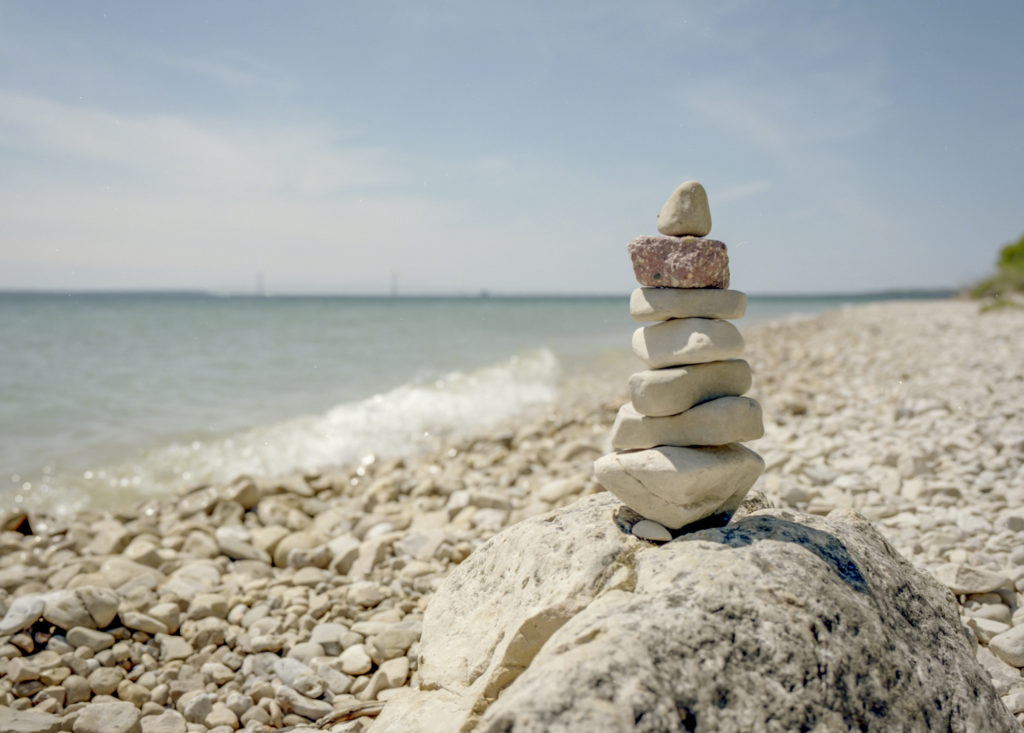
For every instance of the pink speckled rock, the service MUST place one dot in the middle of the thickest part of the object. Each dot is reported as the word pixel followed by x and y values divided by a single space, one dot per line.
pixel 680 262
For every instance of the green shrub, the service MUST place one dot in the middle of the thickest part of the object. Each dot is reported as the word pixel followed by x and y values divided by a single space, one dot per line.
pixel 1007 280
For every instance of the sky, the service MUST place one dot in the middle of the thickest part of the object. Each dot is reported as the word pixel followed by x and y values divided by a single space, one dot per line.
pixel 458 146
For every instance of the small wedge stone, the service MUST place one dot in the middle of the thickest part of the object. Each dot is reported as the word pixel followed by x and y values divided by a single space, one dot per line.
pixel 645 529
pixel 686 341
pixel 661 304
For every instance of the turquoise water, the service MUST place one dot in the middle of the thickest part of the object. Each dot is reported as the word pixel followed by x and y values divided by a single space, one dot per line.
pixel 114 397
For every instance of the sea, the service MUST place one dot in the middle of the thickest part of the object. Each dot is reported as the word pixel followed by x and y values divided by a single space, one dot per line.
pixel 108 399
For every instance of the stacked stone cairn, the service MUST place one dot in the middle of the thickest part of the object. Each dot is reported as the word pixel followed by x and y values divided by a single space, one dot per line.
pixel 678 457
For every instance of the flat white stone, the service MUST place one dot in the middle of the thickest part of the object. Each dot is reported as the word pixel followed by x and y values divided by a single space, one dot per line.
pixel 645 529
pixel 1009 646
pixel 685 341
pixel 660 392
pixel 676 486
pixel 717 422
pixel 686 212
pixel 661 304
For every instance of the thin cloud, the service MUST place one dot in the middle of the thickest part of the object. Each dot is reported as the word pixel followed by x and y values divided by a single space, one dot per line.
pixel 238 72
pixel 742 191
pixel 181 154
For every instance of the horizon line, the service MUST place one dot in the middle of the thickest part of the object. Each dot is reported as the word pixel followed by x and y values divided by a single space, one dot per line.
pixel 478 295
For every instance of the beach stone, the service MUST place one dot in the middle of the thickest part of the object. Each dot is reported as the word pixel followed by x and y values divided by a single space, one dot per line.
pixel 306 651
pixel 77 688
pixel 198 576
pixel 292 701
pixel 168 614
pixel 355 660
pixel 22 613
pixel 716 422
pixel 221 715
pixel 91 638
pixel 28 721
pixel 393 641
pixel 679 262
pixel 645 529
pixel 21 669
pixel 777 621
pixel 662 304
pixel 169 721
pixel 1009 646
pixel 328 635
pixel 104 681
pixel 676 486
pixel 294 541
pixel 390 675
pixel 1005 678
pixel 204 605
pixel 117 571
pixel 108 717
pixel 86 606
pixel 195 705
pixel 686 211
pixel 685 341
pixel 661 392
pixel 143 551
pixel 965 579
pixel 173 647
pixel 141 622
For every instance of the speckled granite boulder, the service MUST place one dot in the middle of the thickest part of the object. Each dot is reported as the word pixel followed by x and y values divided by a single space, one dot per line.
pixel 779 621
pixel 679 262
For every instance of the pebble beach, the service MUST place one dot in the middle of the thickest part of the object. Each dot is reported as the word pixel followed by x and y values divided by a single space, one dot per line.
pixel 296 602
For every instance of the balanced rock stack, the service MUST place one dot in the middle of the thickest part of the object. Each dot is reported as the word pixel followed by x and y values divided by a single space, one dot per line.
pixel 678 458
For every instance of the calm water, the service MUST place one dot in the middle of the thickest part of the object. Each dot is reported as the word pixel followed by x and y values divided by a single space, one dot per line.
pixel 118 397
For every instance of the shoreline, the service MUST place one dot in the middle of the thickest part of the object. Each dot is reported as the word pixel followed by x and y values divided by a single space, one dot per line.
pixel 274 602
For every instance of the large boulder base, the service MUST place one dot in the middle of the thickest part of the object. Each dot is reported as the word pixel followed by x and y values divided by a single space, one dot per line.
pixel 778 621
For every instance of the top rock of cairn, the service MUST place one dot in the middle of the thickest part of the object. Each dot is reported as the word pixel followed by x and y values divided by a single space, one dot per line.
pixel 686 213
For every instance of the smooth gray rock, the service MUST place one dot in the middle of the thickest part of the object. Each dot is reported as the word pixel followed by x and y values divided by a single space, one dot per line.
pixel 661 304
pixel 686 211
pixel 87 606
pixel 676 485
pixel 661 392
pixel 716 422
pixel 108 717
pixel 22 613
pixel 685 341
pixel 28 721
pixel 779 621
pixel 1009 646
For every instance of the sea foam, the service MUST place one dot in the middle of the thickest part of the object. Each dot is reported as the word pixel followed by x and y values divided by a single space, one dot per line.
pixel 403 421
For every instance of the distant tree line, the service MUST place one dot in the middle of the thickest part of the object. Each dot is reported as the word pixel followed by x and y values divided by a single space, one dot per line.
pixel 999 289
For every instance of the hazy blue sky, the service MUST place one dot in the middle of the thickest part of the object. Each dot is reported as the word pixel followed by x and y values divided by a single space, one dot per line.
pixel 508 146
